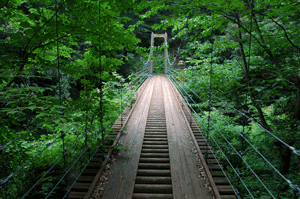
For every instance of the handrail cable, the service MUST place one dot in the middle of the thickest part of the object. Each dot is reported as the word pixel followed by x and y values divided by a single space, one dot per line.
pixel 81 170
pixel 247 142
pixel 76 162
pixel 118 112
pixel 207 130
pixel 205 139
pixel 3 147
pixel 296 152
pixel 20 168
pixel 66 152
pixel 29 161
pixel 130 86
pixel 288 181
pixel 232 145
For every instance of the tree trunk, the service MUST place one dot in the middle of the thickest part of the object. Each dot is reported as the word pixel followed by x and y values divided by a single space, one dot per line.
pixel 246 71
pixel 284 152
pixel 286 156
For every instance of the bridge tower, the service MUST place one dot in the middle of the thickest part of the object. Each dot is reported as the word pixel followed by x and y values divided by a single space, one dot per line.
pixel 165 36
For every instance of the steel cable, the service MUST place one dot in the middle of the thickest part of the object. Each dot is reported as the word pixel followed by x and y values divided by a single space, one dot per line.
pixel 246 141
pixel 205 139
pixel 296 152
pixel 3 147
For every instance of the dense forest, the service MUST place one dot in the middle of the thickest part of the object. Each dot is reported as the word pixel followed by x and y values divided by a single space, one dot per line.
pixel 69 68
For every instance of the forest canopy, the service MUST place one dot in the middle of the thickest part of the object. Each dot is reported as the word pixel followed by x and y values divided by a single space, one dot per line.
pixel 67 68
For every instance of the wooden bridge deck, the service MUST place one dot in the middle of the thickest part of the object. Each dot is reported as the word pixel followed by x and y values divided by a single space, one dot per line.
pixel 184 170
pixel 166 157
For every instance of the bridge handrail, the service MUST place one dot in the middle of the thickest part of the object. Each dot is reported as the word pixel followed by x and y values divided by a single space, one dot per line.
pixel 287 180
pixel 3 147
pixel 207 142
pixel 3 181
pixel 85 151
pixel 66 152
pixel 295 151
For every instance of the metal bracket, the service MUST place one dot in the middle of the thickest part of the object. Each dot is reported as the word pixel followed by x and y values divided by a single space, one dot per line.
pixel 237 191
pixel 295 189
pixel 241 153
pixel 239 173
pixel 242 136
pixel 64 153
pixel 66 170
pixel 297 153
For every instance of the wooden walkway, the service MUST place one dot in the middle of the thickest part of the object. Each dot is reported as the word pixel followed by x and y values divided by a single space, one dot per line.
pixel 184 167
pixel 168 158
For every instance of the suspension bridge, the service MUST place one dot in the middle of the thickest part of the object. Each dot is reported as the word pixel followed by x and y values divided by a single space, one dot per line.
pixel 172 152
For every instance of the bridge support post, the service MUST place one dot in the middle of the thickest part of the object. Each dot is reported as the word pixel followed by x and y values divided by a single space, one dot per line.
pixel 151 53
pixel 165 36
pixel 166 54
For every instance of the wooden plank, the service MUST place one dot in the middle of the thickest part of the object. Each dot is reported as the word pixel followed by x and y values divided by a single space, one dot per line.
pixel 214 187
pixel 122 178
pixel 183 162
pixel 159 35
pixel 96 179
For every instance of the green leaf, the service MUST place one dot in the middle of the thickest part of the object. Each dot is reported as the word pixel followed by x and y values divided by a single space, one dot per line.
pixel 114 53
pixel 47 186
pixel 25 24
pixel 257 89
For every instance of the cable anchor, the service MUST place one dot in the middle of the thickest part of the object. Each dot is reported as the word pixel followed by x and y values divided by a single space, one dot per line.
pixel 242 135
pixel 295 189
pixel 64 152
pixel 241 154
pixel 237 191
pixel 207 142
pixel 239 174
pixel 296 152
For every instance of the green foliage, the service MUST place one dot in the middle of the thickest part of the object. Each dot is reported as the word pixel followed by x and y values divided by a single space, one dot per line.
pixel 119 147
pixel 52 70
pixel 216 51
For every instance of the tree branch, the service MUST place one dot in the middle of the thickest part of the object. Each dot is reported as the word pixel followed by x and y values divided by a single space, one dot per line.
pixel 30 53
pixel 41 46
pixel 261 44
pixel 5 4
pixel 286 35
pixel 26 47
pixel 40 29
pixel 244 29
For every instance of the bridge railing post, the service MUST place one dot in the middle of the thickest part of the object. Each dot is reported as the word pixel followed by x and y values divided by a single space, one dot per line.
pixel 121 90
pixel 151 53
pixel 166 53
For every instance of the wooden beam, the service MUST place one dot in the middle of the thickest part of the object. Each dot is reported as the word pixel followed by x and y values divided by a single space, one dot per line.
pixel 158 35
